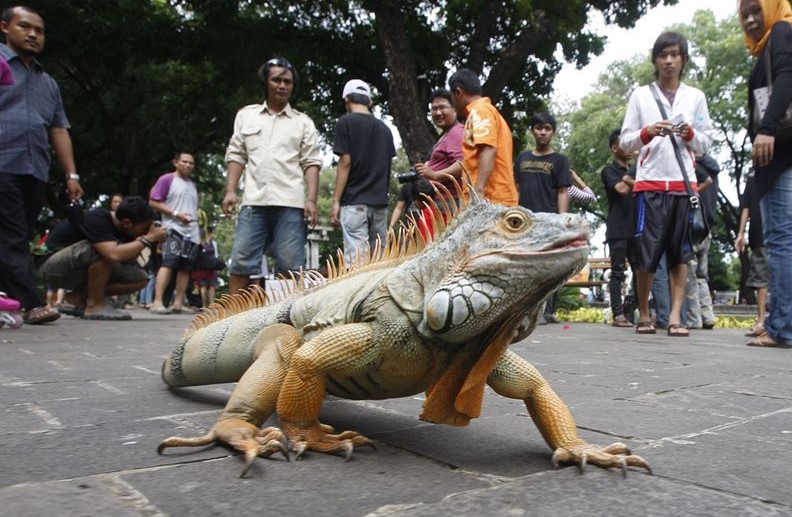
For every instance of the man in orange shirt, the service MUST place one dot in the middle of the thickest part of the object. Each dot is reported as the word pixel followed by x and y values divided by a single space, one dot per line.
pixel 487 142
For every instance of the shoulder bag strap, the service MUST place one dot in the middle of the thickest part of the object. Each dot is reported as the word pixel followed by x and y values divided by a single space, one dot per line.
pixel 693 196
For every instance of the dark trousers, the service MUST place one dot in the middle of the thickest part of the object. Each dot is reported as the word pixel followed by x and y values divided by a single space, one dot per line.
pixel 21 200
pixel 621 251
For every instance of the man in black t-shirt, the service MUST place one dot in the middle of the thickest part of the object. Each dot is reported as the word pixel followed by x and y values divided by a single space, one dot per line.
pixel 365 148
pixel 619 224
pixel 543 178
pixel 92 259
pixel 759 270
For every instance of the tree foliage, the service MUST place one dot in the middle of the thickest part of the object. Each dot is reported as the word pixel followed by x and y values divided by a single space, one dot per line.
pixel 144 78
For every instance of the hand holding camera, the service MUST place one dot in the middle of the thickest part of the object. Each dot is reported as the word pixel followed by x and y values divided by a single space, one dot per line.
pixel 156 233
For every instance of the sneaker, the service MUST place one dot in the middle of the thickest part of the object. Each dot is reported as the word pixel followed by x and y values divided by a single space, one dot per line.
pixel 159 309
pixel 542 320
pixel 550 318
pixel 708 325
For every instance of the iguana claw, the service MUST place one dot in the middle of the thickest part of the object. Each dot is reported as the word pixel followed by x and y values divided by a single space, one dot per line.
pixel 242 436
pixel 614 455
pixel 319 437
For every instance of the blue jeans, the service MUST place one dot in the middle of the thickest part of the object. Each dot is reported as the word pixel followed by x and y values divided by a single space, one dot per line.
pixel 661 294
pixel 361 226
pixel 278 231
pixel 777 223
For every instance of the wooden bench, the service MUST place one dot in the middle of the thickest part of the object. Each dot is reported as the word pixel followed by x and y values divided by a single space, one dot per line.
pixel 592 273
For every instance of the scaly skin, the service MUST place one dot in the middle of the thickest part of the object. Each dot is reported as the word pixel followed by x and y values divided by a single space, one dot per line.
pixel 436 320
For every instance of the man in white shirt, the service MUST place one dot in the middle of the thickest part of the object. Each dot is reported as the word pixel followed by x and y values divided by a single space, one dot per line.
pixel 662 203
pixel 277 149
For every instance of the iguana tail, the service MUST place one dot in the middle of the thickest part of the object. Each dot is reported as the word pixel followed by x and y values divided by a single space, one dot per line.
pixel 219 352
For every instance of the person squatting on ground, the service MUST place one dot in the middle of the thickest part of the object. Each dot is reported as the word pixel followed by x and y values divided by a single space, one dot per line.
pixel 543 178
pixel 662 205
pixel 175 197
pixel 32 119
pixel 767 25
pixel 758 270
pixel 365 149
pixel 487 140
pixel 619 225
pixel 96 259
pixel 277 149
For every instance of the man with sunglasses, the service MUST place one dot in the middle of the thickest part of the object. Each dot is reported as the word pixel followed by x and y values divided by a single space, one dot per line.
pixel 277 149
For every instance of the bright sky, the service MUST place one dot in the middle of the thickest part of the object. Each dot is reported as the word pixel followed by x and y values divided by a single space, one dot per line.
pixel 625 43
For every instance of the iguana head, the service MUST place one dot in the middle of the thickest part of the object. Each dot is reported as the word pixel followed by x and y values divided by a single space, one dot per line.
pixel 493 266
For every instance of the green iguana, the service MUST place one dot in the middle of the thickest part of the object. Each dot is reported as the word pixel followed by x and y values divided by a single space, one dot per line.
pixel 434 317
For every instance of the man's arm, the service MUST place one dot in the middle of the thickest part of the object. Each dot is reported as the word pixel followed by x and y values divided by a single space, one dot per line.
pixel 312 186
pixel 486 163
pixel 342 177
pixel 233 174
pixel 562 194
pixel 739 244
pixel 115 252
pixel 64 153
pixel 164 209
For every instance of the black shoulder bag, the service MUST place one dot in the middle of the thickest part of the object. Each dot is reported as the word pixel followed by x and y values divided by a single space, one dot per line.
pixel 697 223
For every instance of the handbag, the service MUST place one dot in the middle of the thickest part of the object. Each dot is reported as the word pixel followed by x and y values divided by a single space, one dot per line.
pixel 698 227
pixel 762 100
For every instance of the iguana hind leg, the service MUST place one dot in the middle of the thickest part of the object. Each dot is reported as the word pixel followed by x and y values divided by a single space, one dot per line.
pixel 343 351
pixel 253 401
pixel 516 378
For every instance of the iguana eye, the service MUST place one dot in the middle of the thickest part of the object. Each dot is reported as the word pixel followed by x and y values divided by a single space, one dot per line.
pixel 516 222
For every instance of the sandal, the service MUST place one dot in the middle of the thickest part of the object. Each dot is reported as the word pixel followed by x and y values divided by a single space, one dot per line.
pixel 621 321
pixel 756 331
pixel 70 309
pixel 645 327
pixel 40 315
pixel 677 330
pixel 764 340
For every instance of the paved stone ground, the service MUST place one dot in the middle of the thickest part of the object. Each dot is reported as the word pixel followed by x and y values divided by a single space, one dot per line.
pixel 83 410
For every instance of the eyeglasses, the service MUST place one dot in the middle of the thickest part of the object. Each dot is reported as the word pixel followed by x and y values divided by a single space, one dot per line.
pixel 444 107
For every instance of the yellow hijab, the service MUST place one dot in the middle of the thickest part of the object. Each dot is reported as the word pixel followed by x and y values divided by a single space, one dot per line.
pixel 773 11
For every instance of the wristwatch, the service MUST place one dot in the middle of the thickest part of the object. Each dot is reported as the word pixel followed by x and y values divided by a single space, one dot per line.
pixel 73 176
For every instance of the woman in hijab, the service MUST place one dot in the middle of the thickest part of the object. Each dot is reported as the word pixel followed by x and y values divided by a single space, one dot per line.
pixel 767 25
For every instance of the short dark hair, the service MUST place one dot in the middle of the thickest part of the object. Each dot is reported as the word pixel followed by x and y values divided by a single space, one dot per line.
pixel 264 71
pixel 670 39
pixel 136 209
pixel 465 79
pixel 442 93
pixel 422 186
pixel 614 137
pixel 8 12
pixel 179 154
pixel 542 118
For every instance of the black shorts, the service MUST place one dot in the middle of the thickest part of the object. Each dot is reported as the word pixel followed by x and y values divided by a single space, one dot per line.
pixel 661 226
pixel 179 253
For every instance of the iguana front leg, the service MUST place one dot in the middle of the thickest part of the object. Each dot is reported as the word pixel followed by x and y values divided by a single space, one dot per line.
pixel 516 378
pixel 346 350
pixel 253 401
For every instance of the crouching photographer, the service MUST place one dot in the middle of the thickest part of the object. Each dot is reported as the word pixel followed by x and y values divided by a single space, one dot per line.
pixel 94 257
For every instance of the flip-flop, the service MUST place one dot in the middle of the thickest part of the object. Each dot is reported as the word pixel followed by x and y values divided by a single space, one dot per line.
pixel 764 340
pixel 108 313
pixel 677 330
pixel 645 327
pixel 40 315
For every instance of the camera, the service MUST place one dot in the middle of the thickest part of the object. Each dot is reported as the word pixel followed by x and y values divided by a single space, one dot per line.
pixel 409 176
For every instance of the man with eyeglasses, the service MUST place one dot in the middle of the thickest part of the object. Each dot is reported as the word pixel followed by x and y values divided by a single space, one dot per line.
pixel 277 149
pixel 446 157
